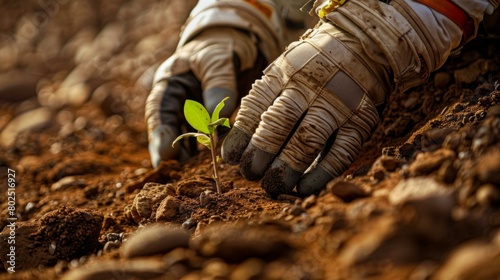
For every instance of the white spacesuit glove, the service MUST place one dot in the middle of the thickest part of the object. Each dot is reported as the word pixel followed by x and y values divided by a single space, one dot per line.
pixel 305 121
pixel 224 47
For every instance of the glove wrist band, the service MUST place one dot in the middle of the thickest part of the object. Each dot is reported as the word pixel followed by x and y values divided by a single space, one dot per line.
pixel 454 13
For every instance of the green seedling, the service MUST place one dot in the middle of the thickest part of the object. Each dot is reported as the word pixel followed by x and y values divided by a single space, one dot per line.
pixel 199 118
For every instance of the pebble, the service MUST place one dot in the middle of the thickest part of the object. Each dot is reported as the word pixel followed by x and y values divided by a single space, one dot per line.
pixel 153 240
pixel 168 209
pixel 189 224
pixel 234 243
pixel 347 191
pixel 111 245
pixel 29 121
pixel 111 269
pixel 417 188
pixel 67 182
pixel 426 163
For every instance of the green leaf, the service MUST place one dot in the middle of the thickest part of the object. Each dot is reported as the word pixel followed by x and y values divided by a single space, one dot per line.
pixel 223 121
pixel 190 134
pixel 205 141
pixel 218 108
pixel 197 116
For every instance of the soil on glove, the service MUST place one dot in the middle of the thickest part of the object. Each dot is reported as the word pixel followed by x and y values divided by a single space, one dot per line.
pixel 422 201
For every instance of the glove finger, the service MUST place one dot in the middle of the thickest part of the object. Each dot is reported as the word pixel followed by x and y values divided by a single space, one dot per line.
pixel 160 144
pixel 348 143
pixel 276 125
pixel 261 96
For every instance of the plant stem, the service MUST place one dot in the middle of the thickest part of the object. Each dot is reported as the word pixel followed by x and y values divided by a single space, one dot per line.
pixel 214 162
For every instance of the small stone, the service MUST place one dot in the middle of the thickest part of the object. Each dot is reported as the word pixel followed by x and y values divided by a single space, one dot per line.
pixel 168 209
pixel 111 245
pixel 347 191
pixel 426 163
pixel 113 236
pixel 66 183
pixel 153 240
pixel 189 224
pixel 236 243
pixel 417 188
pixel 390 163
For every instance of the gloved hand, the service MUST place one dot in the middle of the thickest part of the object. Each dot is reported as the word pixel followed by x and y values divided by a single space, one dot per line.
pixel 306 119
pixel 205 69
pixel 304 122
pixel 223 48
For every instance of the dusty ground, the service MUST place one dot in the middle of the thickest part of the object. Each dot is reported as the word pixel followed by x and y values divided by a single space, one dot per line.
pixel 421 201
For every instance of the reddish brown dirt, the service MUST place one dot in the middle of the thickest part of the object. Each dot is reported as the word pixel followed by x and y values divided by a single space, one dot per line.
pixel 420 202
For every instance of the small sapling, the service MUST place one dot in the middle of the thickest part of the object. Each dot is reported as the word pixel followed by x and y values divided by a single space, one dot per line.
pixel 199 118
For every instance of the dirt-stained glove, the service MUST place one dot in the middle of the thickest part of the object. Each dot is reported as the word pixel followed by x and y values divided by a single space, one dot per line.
pixel 206 70
pixel 305 121
pixel 223 47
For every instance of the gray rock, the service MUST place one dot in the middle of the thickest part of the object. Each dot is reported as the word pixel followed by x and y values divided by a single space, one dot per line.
pixel 153 240
pixel 417 188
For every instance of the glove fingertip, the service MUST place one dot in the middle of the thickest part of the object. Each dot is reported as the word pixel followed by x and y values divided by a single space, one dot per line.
pixel 234 145
pixel 280 179
pixel 313 182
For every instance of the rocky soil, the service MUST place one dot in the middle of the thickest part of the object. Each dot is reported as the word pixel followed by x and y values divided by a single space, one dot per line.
pixel 421 201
